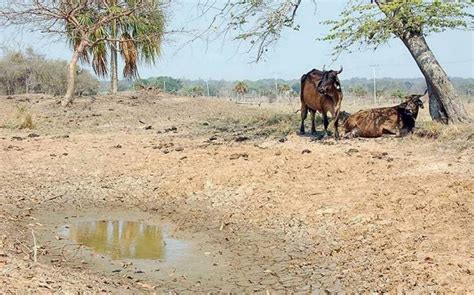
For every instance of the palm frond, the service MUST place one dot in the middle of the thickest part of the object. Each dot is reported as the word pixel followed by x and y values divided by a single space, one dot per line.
pixel 99 61
pixel 129 55
pixel 140 34
pixel 99 53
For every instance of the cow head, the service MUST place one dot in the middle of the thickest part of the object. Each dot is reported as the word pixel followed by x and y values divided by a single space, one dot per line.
pixel 329 82
pixel 416 101
pixel 412 104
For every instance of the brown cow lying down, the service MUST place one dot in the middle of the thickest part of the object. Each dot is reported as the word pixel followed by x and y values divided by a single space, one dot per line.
pixel 399 119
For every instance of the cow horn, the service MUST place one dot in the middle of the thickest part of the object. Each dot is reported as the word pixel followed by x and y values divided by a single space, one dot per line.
pixel 426 91
pixel 340 71
pixel 324 68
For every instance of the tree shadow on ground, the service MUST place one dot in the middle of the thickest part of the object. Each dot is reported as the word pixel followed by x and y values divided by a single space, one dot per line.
pixel 317 135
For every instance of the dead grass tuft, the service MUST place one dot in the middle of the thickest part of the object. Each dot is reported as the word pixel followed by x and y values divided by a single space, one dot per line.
pixel 458 136
pixel 440 131
pixel 429 130
pixel 22 119
pixel 26 122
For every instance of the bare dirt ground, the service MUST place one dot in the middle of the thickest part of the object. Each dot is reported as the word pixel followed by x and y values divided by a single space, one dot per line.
pixel 272 211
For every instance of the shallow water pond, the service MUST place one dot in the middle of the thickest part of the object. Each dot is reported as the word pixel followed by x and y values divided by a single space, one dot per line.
pixel 122 239
pixel 133 245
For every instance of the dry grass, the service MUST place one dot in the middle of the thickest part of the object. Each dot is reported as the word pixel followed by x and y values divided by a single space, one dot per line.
pixel 263 125
pixel 277 124
pixel 435 130
pixel 458 136
pixel 22 119
pixel 457 132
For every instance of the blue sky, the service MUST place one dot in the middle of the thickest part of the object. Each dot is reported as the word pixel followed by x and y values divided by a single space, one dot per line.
pixel 294 54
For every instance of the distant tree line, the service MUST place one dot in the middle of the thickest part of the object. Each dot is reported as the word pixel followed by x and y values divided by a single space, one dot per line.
pixel 245 88
pixel 354 88
pixel 28 72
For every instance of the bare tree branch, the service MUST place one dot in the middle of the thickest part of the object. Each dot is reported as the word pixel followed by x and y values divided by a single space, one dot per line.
pixel 258 23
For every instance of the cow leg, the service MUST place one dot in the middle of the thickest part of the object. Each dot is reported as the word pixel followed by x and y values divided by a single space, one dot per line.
pixel 336 125
pixel 390 131
pixel 304 113
pixel 325 123
pixel 313 125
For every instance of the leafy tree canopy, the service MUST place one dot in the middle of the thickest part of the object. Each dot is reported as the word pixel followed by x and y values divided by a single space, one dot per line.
pixel 362 24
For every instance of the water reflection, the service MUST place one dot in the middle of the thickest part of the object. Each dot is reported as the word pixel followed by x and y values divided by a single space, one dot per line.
pixel 119 239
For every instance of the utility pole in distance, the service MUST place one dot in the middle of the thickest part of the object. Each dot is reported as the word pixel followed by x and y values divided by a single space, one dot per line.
pixel 276 87
pixel 375 83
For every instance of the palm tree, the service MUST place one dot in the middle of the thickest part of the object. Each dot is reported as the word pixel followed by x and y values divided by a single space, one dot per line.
pixel 241 88
pixel 137 37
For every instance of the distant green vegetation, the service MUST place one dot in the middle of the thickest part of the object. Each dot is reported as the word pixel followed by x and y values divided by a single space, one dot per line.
pixel 387 88
pixel 167 84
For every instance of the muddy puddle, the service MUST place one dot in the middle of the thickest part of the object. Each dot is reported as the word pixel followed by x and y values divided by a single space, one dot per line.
pixel 125 239
pixel 132 245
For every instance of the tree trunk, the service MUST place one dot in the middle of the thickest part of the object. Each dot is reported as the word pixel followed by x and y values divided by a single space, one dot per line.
pixel 113 60
pixel 445 104
pixel 113 68
pixel 437 111
pixel 71 75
